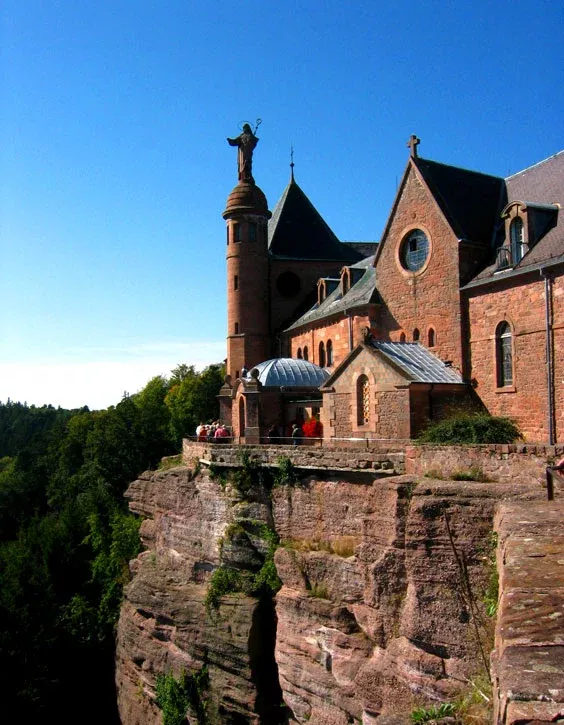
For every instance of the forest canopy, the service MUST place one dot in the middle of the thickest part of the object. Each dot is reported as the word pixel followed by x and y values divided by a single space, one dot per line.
pixel 66 536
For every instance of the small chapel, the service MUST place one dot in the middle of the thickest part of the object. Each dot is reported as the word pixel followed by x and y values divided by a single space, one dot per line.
pixel 459 306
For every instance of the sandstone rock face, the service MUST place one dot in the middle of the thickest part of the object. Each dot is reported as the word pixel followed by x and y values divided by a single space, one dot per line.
pixel 379 610
pixel 164 626
pixel 528 661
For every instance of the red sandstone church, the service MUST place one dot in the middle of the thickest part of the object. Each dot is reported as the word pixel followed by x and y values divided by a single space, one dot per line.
pixel 460 305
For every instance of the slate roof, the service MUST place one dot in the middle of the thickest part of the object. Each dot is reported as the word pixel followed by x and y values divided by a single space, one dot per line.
pixel 297 231
pixel 361 293
pixel 469 200
pixel 417 362
pixel 290 373
pixel 540 186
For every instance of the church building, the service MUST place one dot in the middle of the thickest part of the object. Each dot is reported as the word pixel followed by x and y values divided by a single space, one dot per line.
pixel 460 306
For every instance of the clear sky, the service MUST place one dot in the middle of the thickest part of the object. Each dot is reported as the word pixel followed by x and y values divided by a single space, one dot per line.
pixel 114 168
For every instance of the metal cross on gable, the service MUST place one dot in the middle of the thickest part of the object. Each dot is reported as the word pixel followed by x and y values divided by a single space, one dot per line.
pixel 412 144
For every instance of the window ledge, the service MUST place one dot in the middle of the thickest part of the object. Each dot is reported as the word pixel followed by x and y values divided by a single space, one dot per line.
pixel 506 389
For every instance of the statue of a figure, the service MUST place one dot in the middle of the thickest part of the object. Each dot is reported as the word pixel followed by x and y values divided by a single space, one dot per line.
pixel 246 142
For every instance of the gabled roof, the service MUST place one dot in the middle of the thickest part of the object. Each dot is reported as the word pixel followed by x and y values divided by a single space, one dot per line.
pixel 411 359
pixel 470 201
pixel 297 231
pixel 361 293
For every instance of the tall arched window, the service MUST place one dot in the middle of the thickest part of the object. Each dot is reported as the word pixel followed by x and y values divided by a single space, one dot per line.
pixel 431 337
pixel 299 353
pixel 416 335
pixel 306 353
pixel 504 355
pixel 329 353
pixel 322 354
pixel 362 400
pixel 402 337
pixel 517 240
pixel 241 416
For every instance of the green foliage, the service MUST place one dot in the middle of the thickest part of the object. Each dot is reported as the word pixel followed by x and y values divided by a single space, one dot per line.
pixel 474 473
pixel 471 428
pixel 491 594
pixel 318 590
pixel 66 538
pixel 435 712
pixel 224 580
pixel 170 462
pixel 175 696
pixel 285 474
pixel 192 398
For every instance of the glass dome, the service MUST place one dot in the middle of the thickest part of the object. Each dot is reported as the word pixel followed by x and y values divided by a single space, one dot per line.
pixel 286 371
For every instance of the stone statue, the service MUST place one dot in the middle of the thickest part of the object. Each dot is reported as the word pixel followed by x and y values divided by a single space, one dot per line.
pixel 246 142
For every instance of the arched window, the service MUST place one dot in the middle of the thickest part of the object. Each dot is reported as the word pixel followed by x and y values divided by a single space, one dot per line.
pixel 242 416
pixel 306 353
pixel 517 240
pixel 416 335
pixel 252 232
pixel 299 353
pixel 504 355
pixel 362 400
pixel 431 337
pixel 329 353
pixel 402 337
pixel 236 328
pixel 322 354
pixel 237 233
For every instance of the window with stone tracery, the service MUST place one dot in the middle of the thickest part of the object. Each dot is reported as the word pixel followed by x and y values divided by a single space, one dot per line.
pixel 363 400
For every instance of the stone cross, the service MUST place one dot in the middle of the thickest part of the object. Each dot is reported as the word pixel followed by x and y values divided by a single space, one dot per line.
pixel 412 145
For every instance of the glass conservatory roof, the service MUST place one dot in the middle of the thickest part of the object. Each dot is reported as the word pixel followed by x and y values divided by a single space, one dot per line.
pixel 290 373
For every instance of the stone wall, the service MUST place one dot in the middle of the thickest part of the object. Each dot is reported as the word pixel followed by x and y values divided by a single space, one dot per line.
pixel 505 463
pixel 528 660
pixel 522 305
pixel 358 456
pixel 429 298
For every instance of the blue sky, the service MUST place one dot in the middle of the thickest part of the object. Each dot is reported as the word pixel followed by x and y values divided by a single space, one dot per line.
pixel 114 168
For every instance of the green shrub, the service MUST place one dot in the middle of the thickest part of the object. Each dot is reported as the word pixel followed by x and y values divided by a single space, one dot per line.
pixel 474 473
pixel 471 428
pixel 491 593
pixel 435 712
pixel 175 696
pixel 224 580
pixel 285 474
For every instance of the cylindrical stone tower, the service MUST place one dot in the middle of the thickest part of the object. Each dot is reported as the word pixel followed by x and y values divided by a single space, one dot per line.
pixel 248 331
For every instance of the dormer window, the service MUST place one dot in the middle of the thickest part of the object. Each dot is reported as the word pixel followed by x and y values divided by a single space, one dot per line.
pixel 325 286
pixel 517 239
pixel 345 280
pixel 516 245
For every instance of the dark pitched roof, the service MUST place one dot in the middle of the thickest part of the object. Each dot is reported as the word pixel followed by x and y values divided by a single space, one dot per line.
pixel 539 186
pixel 297 231
pixel 469 200
pixel 359 294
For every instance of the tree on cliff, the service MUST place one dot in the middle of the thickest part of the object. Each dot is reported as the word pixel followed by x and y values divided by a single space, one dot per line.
pixel 66 538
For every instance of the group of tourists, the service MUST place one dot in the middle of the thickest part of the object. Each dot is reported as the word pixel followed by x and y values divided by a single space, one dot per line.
pixel 215 432
pixel 296 434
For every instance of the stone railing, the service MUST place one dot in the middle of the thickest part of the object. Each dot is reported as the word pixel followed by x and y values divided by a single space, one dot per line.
pixel 519 463
pixel 386 458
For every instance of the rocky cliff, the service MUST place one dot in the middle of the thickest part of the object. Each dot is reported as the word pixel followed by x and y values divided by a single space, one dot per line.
pixel 380 607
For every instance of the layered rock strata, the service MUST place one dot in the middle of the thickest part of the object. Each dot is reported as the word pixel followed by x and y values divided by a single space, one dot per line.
pixel 380 607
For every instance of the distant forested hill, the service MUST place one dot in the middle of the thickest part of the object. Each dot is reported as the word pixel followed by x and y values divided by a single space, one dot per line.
pixel 66 538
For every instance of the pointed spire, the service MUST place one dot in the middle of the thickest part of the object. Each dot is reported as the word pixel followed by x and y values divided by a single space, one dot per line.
pixel 291 164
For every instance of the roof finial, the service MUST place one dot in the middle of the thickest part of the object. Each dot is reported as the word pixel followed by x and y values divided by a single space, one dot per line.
pixel 412 145
pixel 291 163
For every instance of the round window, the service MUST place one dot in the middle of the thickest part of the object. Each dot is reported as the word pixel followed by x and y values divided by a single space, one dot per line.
pixel 288 284
pixel 414 250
